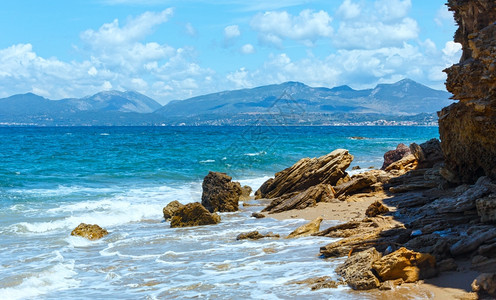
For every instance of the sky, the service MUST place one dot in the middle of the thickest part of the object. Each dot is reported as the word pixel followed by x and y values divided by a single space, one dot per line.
pixel 173 50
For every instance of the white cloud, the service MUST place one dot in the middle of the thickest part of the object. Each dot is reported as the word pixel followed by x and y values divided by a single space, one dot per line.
pixel 240 79
pixel 307 27
pixel 444 16
pixel 349 10
pixel 248 49
pixel 390 10
pixel 190 30
pixel 231 31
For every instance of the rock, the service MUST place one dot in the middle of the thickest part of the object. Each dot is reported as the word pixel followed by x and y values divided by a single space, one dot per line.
pixel 258 215
pixel 245 193
pixel 486 208
pixel 403 165
pixel 446 265
pixel 306 173
pixel 394 155
pixel 488 250
pixel 220 194
pixel 358 182
pixel 467 128
pixel 356 168
pixel 89 231
pixel 171 208
pixel 307 198
pixel 255 235
pixel 324 282
pixel 193 214
pixel 375 209
pixel 473 241
pixel 428 154
pixel 405 264
pixel 357 270
pixel 485 282
pixel 307 229
pixel 467 200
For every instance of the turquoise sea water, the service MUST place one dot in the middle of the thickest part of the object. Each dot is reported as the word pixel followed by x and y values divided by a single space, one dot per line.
pixel 52 179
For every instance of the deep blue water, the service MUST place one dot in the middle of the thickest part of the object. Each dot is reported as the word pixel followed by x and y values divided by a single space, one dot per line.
pixel 52 179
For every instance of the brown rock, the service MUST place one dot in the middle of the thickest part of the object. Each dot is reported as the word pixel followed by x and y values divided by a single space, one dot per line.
pixel 358 182
pixel 91 232
pixel 375 209
pixel 245 193
pixel 193 214
pixel 403 165
pixel 307 198
pixel 220 194
pixel 467 128
pixel 307 229
pixel 171 208
pixel 427 154
pixel 357 270
pixel 306 173
pixel 486 208
pixel 258 215
pixel 394 155
pixel 405 264
pixel 485 282
pixel 255 235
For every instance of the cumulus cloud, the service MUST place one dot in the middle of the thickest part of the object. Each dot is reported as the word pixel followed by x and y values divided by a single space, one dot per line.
pixel 190 30
pixel 444 16
pixel 247 49
pixel 349 10
pixel 273 27
pixel 231 31
pixel 390 10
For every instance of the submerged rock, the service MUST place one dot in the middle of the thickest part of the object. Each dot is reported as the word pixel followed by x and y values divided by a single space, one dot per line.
pixel 193 214
pixel 307 229
pixel 170 209
pixel 255 235
pixel 394 155
pixel 357 270
pixel 220 194
pixel 306 173
pixel 258 215
pixel 90 231
pixel 405 264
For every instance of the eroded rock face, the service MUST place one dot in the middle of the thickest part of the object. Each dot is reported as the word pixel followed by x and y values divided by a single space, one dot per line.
pixel 220 194
pixel 171 208
pixel 307 198
pixel 485 282
pixel 357 270
pixel 468 128
pixel 193 214
pixel 306 173
pixel 307 229
pixel 90 231
pixel 394 155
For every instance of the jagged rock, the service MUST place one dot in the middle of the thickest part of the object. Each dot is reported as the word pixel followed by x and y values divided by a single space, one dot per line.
pixel 307 229
pixel 486 208
pixel 467 128
pixel 357 270
pixel 488 250
pixel 171 208
pixel 431 243
pixel 324 282
pixel 306 173
pixel 446 265
pixel 255 235
pixel 485 282
pixel 307 198
pixel 427 154
pixel 220 194
pixel 358 182
pixel 394 155
pixel 466 201
pixel 403 165
pixel 193 214
pixel 475 238
pixel 90 231
pixel 405 264
pixel 375 209
pixel 258 215
pixel 245 193
pixel 356 168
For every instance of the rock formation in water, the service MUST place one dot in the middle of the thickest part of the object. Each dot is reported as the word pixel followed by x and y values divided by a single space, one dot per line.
pixel 193 214
pixel 90 231
pixel 220 194
pixel 468 127
pixel 170 209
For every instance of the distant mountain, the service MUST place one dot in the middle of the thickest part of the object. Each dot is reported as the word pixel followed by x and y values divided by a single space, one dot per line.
pixel 291 103
pixel 405 97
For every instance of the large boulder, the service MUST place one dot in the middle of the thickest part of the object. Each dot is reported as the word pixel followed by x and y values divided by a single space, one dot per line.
pixel 357 270
pixel 486 208
pixel 427 154
pixel 485 283
pixel 391 156
pixel 375 209
pixel 220 194
pixel 90 231
pixel 193 214
pixel 307 198
pixel 306 173
pixel 307 229
pixel 170 209
pixel 405 264
pixel 467 128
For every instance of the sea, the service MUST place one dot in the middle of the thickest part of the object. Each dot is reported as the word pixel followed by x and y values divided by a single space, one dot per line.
pixel 53 179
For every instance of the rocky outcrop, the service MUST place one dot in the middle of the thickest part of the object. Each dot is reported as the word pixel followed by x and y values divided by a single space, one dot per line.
pixel 485 284
pixel 255 235
pixel 362 182
pixel 193 214
pixel 245 193
pixel 375 209
pixel 357 270
pixel 467 128
pixel 307 198
pixel 428 154
pixel 306 173
pixel 486 208
pixel 220 194
pixel 89 231
pixel 394 155
pixel 170 209
pixel 405 264
pixel 307 229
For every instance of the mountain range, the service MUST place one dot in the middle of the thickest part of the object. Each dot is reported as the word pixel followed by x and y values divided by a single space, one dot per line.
pixel 289 103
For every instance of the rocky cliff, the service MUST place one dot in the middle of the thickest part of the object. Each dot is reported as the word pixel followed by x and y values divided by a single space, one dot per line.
pixel 468 127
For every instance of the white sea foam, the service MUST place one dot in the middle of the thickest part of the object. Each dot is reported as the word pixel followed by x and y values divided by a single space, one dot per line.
pixel 207 161
pixel 254 183
pixel 256 153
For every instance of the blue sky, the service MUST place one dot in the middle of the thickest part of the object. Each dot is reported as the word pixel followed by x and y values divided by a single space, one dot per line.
pixel 168 49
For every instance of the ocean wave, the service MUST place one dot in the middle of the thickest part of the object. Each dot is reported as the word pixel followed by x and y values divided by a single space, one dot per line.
pixel 256 153
pixel 207 161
